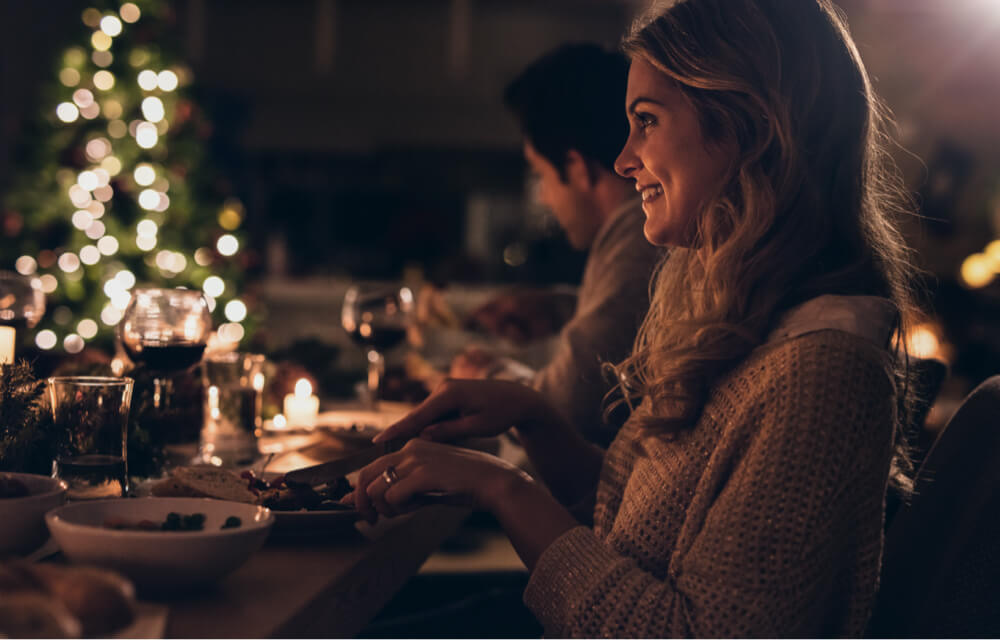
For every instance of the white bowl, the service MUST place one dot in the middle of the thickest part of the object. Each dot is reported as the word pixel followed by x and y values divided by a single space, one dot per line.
pixel 22 520
pixel 160 560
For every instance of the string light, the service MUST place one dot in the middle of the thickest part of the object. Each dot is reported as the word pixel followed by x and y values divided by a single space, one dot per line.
pixel 167 80
pixel 88 180
pixel 91 111
pixel 73 343
pixel 146 135
pixel 26 265
pixel 67 112
pixel 235 311
pixel 100 41
pixel 977 271
pixel 108 245
pixel 102 58
pixel 112 165
pixel 148 199
pixel 147 80
pixel 46 339
pixel 144 175
pixel 69 77
pixel 95 209
pixel 82 219
pixel 87 328
pixel 152 109
pixel 129 12
pixel 227 245
pixel 90 255
pixel 213 286
pixel 117 129
pixel 110 316
pixel 49 283
pixel 91 17
pixel 111 25
pixel 104 80
pixel 112 109
pixel 95 230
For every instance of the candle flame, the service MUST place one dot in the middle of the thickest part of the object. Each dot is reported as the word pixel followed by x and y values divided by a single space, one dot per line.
pixel 303 388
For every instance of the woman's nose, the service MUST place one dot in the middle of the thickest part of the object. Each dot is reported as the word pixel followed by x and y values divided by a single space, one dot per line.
pixel 626 163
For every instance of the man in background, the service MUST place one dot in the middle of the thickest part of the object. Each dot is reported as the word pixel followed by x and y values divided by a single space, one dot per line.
pixel 570 105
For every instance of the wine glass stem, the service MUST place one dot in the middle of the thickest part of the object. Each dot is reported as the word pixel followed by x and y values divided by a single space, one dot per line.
pixel 376 368
pixel 162 389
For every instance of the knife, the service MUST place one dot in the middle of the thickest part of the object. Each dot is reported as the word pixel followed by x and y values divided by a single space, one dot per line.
pixel 326 472
pixel 333 469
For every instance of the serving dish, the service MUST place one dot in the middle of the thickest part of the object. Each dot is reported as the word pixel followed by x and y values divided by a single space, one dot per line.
pixel 22 520
pixel 161 560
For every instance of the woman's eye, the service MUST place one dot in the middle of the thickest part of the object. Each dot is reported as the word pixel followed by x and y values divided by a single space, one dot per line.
pixel 645 120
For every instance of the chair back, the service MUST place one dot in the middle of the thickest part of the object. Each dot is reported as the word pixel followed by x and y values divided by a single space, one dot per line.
pixel 941 566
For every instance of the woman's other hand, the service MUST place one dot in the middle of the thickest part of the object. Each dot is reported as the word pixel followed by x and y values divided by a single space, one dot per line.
pixel 472 408
pixel 391 485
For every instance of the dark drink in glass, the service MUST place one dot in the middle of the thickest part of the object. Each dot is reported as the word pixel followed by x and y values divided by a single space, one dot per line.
pixel 167 357
pixel 92 476
pixel 378 337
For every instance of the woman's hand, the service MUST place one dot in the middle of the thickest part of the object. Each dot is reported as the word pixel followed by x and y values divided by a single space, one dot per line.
pixel 473 478
pixel 472 408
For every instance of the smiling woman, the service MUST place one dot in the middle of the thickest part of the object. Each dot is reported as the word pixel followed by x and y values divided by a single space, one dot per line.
pixel 744 496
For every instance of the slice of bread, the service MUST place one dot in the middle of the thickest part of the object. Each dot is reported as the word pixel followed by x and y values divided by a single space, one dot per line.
pixel 204 482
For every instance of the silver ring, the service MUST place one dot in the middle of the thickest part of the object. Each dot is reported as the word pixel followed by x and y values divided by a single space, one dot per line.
pixel 390 476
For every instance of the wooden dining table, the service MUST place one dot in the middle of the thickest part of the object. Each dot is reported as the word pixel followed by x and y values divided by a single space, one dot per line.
pixel 326 587
pixel 328 584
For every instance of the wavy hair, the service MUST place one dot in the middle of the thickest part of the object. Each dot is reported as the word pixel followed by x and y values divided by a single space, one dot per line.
pixel 808 208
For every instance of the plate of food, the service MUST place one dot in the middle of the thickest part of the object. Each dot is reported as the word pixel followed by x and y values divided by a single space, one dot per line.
pixel 161 543
pixel 299 510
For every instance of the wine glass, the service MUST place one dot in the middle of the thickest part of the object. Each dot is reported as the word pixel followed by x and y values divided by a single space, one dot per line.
pixel 376 317
pixel 165 329
pixel 22 304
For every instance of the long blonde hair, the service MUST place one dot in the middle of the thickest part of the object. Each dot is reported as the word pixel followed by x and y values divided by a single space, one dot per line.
pixel 809 205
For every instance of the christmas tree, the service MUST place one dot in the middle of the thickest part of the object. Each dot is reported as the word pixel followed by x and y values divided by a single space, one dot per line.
pixel 114 190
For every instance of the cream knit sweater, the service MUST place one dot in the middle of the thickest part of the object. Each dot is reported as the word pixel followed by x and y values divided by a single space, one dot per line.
pixel 765 519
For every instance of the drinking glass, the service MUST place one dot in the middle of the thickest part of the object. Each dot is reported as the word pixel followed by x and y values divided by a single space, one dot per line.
pixel 91 415
pixel 233 385
pixel 22 304
pixel 376 317
pixel 165 329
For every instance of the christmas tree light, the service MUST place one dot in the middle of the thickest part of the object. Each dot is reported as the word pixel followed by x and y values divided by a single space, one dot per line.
pixel 117 194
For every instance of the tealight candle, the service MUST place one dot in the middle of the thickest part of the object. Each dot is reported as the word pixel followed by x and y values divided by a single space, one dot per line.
pixel 302 407
pixel 7 345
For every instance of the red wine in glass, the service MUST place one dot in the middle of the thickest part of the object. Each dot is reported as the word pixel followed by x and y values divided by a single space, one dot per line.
pixel 378 337
pixel 175 356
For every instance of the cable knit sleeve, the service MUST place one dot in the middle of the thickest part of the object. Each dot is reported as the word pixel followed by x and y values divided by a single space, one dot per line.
pixel 782 535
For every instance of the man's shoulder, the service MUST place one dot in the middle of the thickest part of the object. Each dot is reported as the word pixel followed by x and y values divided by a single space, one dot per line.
pixel 623 238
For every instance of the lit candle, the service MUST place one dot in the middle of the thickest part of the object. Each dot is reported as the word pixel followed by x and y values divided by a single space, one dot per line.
pixel 7 345
pixel 302 407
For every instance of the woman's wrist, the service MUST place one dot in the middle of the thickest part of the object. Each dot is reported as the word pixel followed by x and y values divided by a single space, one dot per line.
pixel 504 487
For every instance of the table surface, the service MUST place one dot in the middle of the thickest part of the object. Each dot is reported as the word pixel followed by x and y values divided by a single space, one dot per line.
pixel 323 588
pixel 328 585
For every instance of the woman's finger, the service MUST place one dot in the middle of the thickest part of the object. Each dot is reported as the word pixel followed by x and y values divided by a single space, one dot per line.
pixel 450 429
pixel 366 476
pixel 438 404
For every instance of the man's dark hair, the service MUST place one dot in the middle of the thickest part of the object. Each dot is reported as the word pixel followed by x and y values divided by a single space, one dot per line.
pixel 573 98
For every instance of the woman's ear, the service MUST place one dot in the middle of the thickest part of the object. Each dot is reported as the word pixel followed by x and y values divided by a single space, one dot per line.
pixel 580 174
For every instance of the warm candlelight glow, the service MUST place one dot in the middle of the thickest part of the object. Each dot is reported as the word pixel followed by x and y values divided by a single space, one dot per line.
pixel 303 388
pixel 7 345
pixel 302 407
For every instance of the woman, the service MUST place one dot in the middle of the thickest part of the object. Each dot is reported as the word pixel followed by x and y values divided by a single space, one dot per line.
pixel 744 497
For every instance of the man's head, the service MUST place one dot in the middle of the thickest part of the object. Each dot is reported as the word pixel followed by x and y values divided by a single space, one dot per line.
pixel 569 106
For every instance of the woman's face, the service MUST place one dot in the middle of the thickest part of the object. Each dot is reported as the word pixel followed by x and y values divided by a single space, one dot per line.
pixel 674 169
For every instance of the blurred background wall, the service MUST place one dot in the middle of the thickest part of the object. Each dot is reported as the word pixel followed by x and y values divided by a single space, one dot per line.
pixel 367 137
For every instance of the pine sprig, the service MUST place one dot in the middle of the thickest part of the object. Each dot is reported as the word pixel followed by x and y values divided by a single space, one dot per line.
pixel 28 437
